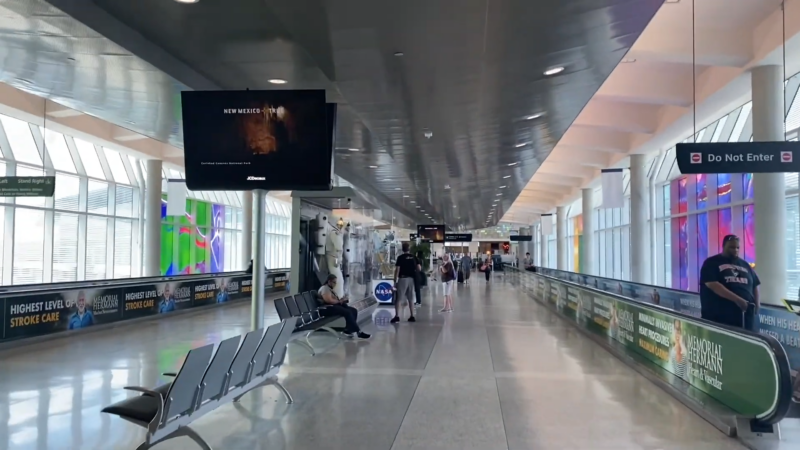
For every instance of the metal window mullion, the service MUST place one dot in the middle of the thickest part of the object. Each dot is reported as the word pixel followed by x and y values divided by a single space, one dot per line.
pixel 101 155
pixel 38 141
pixel 747 131
pixel 131 171
pixel 76 157
pixel 790 94
pixel 82 242
pixel 111 225
pixel 47 256
pixel 5 145
pixel 8 244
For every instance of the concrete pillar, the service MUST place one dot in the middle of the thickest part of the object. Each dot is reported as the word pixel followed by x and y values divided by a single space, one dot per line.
pixel 247 229
pixel 561 237
pixel 152 219
pixel 640 228
pixel 587 249
pixel 769 189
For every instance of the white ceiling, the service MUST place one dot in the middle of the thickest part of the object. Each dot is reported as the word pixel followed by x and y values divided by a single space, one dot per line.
pixel 646 104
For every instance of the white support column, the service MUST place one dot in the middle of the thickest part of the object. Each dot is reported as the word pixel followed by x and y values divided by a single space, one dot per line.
pixel 543 243
pixel 769 189
pixel 587 250
pixel 152 215
pixel 259 261
pixel 640 229
pixel 561 237
pixel 247 228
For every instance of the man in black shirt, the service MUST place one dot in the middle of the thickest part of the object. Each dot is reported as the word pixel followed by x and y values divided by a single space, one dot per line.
pixel 729 288
pixel 404 272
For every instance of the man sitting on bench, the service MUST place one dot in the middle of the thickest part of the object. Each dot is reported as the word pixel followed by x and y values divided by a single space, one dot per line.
pixel 333 306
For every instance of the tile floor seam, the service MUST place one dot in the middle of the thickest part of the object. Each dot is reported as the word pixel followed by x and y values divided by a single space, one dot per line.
pixel 497 388
pixel 419 380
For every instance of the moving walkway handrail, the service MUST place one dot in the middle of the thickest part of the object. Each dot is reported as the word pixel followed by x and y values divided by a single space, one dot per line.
pixel 19 289
pixel 784 376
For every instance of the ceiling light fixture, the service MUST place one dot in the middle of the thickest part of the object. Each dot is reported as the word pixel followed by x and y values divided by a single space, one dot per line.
pixel 521 144
pixel 354 149
pixel 628 60
pixel 414 201
pixel 447 186
pixel 398 189
pixel 399 53
pixel 277 81
pixel 499 195
pixel 187 1
pixel 503 187
pixel 374 167
pixel 513 164
pixel 405 196
pixel 554 71
pixel 533 116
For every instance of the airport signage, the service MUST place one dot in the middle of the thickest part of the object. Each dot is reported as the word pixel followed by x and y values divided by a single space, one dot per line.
pixel 27 186
pixel 458 237
pixel 718 362
pixel 46 312
pixel 738 157
pixel 520 238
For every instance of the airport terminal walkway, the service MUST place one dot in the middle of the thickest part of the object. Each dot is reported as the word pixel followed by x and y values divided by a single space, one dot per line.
pixel 501 372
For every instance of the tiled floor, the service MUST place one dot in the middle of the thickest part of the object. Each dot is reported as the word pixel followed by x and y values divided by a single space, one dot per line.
pixel 500 372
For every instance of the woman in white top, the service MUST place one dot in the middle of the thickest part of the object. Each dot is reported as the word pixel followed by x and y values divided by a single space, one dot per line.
pixel 448 279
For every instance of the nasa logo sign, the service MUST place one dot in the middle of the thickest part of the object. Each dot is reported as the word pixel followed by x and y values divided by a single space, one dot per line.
pixel 383 292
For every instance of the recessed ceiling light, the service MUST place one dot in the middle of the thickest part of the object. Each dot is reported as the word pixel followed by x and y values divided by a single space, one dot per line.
pixel 499 195
pixel 521 144
pixel 277 81
pixel 554 70
pixel 405 196
pixel 398 189
pixel 187 1
pixel 507 176
pixel 414 201
pixel 421 210
pixel 399 53
pixel 513 164
pixel 374 167
pixel 628 60
pixel 533 116
pixel 418 207
pixel 503 187
pixel 447 186
pixel 354 149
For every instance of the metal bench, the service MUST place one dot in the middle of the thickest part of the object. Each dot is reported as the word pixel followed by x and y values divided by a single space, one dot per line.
pixel 308 320
pixel 206 381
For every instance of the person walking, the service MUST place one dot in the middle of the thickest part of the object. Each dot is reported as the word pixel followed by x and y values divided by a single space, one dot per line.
pixel 404 272
pixel 729 288
pixel 466 267
pixel 419 279
pixel 487 268
pixel 448 280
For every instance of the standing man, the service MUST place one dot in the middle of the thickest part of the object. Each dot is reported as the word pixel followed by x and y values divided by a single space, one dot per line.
pixel 404 272
pixel 466 267
pixel 729 288
pixel 528 261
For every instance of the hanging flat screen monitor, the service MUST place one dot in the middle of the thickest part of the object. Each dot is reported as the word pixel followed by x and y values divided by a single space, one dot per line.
pixel 519 238
pixel 458 237
pixel 244 140
pixel 433 232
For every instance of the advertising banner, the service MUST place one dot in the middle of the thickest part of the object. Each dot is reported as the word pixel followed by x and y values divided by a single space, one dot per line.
pixel 38 314
pixel 781 324
pixel 720 363
pixel 50 312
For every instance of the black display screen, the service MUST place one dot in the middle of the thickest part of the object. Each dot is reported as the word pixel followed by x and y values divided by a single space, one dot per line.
pixel 433 232
pixel 244 140
pixel 519 238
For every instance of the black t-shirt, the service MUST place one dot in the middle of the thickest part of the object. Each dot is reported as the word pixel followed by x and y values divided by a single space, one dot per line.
pixel 733 273
pixel 407 264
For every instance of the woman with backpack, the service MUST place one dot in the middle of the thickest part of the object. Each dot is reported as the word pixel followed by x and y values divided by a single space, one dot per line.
pixel 448 280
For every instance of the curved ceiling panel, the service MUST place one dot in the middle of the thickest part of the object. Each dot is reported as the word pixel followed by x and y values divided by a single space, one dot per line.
pixel 456 126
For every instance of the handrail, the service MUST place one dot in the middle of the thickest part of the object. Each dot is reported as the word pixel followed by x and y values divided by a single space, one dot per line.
pixel 784 378
pixel 20 289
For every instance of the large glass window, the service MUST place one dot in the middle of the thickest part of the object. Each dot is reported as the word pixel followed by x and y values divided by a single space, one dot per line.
pixel 28 246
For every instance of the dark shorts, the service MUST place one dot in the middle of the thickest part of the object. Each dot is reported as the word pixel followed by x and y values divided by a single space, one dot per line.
pixel 733 316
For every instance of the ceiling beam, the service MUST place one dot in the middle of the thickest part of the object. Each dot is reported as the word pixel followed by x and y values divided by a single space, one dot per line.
pixel 617 116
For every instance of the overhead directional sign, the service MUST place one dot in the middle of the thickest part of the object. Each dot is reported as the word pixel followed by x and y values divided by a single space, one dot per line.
pixel 458 237
pixel 27 186
pixel 738 157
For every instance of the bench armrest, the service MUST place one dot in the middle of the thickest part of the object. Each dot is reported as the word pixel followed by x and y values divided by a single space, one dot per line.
pixel 144 391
